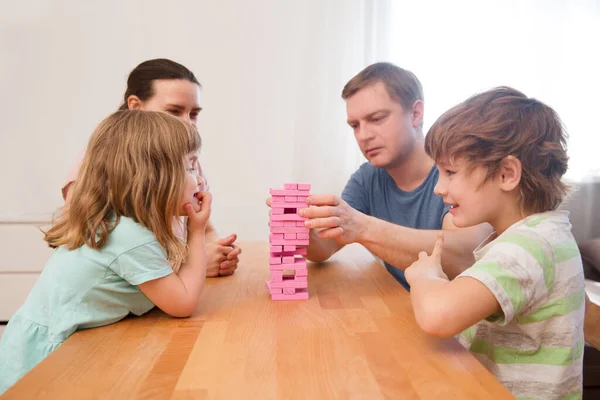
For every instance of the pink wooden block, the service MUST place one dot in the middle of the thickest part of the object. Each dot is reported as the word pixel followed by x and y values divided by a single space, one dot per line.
pixel 300 223
pixel 301 251
pixel 287 223
pixel 289 283
pixel 300 236
pixel 276 224
pixel 292 186
pixel 276 249
pixel 291 199
pixel 287 260
pixel 276 211
pixel 290 229
pixel 273 236
pixel 274 260
pixel 277 199
pixel 299 264
pixel 301 272
pixel 283 242
pixel 301 294
pixel 273 290
pixel 280 192
pixel 291 235
pixel 295 204
pixel 302 199
pixel 290 248
pixel 289 291
pixel 303 186
pixel 301 278
pixel 286 217
pixel 276 277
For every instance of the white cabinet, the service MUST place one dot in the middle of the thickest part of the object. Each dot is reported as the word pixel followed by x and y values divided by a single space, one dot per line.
pixel 23 256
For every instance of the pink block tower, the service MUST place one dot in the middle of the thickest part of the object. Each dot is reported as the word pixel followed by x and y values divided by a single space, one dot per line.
pixel 289 277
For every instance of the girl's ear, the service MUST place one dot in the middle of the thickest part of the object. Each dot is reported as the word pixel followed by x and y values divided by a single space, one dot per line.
pixel 134 102
pixel 510 173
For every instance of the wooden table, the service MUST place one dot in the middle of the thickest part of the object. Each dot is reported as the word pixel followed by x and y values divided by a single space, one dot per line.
pixel 355 338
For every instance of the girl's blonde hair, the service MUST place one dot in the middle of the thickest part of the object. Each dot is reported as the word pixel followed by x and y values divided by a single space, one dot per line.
pixel 133 167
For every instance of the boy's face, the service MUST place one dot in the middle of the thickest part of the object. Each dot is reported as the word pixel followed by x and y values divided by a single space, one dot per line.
pixel 462 187
pixel 384 131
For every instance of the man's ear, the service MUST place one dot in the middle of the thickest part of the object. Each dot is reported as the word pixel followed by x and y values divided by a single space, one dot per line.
pixel 509 175
pixel 418 109
pixel 134 102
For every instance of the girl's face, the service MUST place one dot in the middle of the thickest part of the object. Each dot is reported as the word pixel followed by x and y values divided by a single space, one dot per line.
pixel 193 183
pixel 178 97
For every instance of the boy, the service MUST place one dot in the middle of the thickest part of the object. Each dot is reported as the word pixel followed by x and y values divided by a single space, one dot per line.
pixel 520 307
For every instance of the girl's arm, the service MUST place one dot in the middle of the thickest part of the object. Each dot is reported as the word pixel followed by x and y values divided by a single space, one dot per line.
pixel 179 294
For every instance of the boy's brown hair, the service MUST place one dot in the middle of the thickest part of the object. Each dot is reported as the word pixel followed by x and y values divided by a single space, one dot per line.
pixel 402 85
pixel 502 122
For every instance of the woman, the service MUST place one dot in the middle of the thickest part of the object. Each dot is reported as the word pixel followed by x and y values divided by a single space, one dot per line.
pixel 167 86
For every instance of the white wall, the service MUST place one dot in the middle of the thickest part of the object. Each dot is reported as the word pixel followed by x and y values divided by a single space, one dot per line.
pixel 272 73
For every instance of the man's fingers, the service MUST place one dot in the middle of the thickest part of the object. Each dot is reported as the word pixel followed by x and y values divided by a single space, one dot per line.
pixel 323 200
pixel 331 233
pixel 318 212
pixel 331 222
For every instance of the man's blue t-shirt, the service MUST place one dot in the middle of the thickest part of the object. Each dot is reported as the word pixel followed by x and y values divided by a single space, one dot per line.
pixel 372 191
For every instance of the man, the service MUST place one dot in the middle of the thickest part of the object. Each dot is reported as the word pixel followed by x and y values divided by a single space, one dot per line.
pixel 388 205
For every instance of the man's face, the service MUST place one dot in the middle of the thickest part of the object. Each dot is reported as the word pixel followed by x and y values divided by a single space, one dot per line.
pixel 384 131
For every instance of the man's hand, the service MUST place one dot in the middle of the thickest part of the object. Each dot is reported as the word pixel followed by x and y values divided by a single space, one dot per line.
pixel 334 218
pixel 222 256
pixel 427 267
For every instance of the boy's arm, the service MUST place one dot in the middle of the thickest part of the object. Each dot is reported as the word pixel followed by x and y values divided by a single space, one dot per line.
pixel 443 308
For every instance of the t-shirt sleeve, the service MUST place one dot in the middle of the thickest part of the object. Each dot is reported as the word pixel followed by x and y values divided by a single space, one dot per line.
pixel 355 193
pixel 142 264
pixel 519 272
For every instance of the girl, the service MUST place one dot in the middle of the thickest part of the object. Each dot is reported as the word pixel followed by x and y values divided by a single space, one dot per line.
pixel 116 250
pixel 164 85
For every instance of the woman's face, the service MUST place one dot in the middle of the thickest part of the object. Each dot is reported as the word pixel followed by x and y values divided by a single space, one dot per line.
pixel 178 97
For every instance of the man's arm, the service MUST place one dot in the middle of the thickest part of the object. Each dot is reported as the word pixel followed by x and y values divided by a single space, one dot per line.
pixel 395 244
pixel 400 246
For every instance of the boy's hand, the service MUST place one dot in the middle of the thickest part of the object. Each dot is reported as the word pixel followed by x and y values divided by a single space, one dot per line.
pixel 197 220
pixel 429 267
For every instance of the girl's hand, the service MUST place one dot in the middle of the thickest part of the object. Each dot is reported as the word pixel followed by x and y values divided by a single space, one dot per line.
pixel 197 220
pixel 428 266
